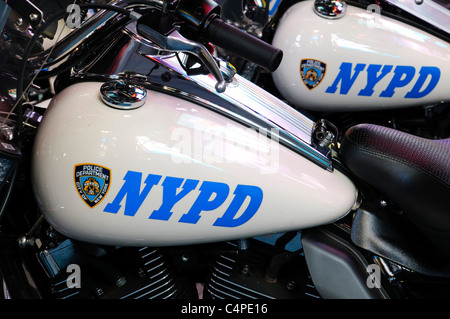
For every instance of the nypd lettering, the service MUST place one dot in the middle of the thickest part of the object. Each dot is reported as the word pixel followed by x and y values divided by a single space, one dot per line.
pixel 92 182
pixel 419 82
pixel 245 199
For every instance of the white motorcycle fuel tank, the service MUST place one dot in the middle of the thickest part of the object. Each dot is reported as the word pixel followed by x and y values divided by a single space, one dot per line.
pixel 358 60
pixel 172 172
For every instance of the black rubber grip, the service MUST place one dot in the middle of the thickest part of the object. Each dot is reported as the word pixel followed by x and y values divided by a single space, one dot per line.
pixel 245 45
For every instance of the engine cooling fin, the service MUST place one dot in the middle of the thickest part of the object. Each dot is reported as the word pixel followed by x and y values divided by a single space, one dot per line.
pixel 146 273
pixel 244 277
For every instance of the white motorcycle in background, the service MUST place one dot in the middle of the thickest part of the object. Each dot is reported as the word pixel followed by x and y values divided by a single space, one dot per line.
pixel 382 62
pixel 156 168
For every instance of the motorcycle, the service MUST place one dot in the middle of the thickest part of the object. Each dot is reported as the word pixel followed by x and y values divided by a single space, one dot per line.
pixel 157 171
pixel 379 62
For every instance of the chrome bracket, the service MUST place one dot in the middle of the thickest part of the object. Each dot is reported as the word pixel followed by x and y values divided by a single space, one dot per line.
pixel 175 42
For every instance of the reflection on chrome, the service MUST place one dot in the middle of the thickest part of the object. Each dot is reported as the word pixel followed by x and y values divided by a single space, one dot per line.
pixel 428 11
pixel 293 128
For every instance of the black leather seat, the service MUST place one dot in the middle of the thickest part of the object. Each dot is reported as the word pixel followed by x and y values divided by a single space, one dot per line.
pixel 411 171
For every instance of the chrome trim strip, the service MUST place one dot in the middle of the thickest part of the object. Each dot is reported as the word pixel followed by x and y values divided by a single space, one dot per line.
pixel 292 128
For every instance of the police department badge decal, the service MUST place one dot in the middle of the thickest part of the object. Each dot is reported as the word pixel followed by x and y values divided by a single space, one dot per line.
pixel 92 182
pixel 312 72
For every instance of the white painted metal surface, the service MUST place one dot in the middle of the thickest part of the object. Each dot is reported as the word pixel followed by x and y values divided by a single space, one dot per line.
pixel 362 61
pixel 172 172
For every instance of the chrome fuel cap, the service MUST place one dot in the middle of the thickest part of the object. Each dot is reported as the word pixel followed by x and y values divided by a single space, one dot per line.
pixel 330 9
pixel 123 95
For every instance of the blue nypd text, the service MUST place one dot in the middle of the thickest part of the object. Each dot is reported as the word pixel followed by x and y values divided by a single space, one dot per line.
pixel 211 196
pixel 400 76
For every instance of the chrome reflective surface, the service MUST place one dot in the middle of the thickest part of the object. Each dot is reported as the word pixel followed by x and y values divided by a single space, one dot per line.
pixel 330 9
pixel 428 11
pixel 288 126
pixel 123 95
pixel 242 101
pixel 80 35
pixel 177 43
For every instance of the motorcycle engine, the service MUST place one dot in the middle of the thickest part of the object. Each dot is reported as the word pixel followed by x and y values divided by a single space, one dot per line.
pixel 257 270
pixel 82 271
